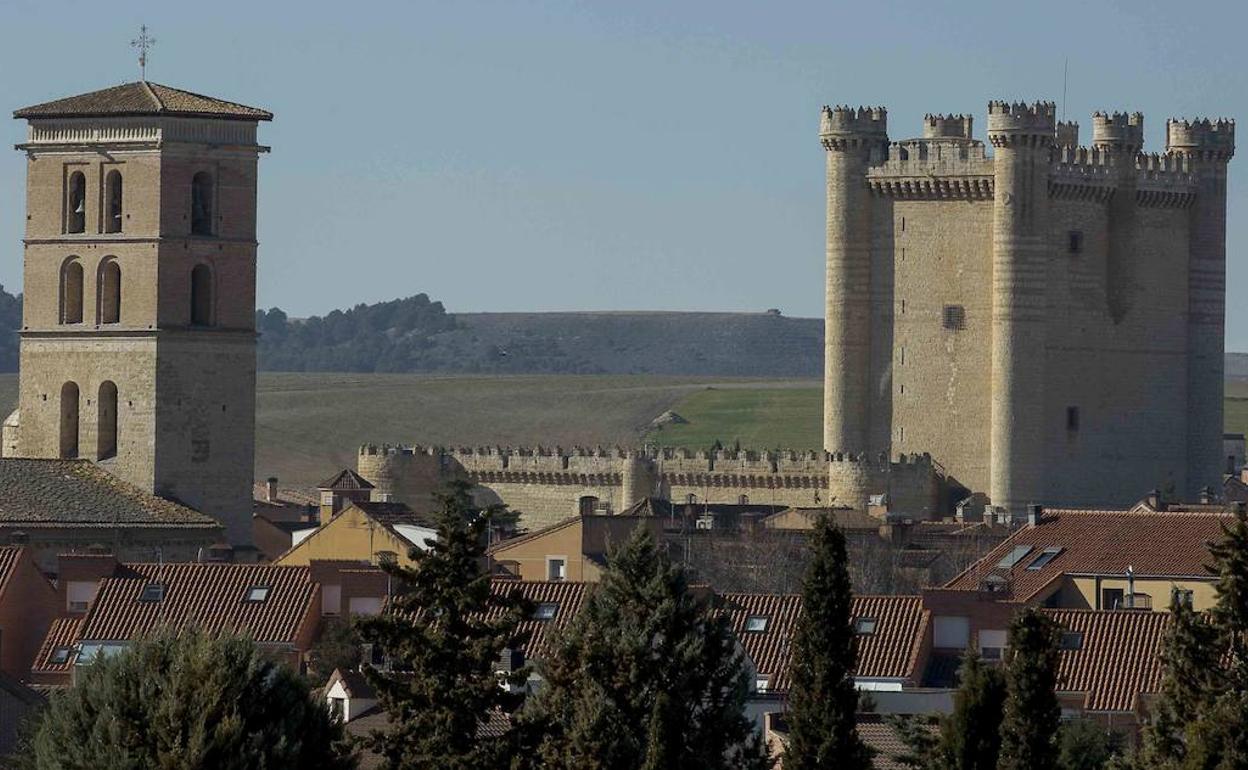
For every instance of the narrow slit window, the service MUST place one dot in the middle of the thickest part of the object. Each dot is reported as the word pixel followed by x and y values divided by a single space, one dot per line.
pixel 112 202
pixel 76 203
pixel 1074 241
pixel 1072 418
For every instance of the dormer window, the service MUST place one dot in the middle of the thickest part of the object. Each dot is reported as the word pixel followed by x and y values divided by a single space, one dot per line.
pixel 257 593
pixel 762 683
pixel 545 611
pixel 60 656
pixel 1042 561
pixel 1016 555
pixel 756 624
pixel 864 626
pixel 152 592
pixel 1071 640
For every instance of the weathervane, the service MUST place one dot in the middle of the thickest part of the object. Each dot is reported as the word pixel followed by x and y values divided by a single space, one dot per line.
pixel 144 44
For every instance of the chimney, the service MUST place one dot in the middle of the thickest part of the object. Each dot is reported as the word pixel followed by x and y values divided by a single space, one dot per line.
pixel 1154 500
pixel 1206 495
pixel 220 553
pixel 270 489
pixel 1243 474
pixel 1034 514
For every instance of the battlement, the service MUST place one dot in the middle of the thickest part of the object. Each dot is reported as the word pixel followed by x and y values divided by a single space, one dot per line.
pixel 921 169
pixel 843 119
pixel 947 126
pixel 1006 119
pixel 1067 134
pixel 1209 139
pixel 1119 130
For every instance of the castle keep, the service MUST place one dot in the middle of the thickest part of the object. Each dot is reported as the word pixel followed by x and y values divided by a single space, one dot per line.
pixel 138 331
pixel 1046 320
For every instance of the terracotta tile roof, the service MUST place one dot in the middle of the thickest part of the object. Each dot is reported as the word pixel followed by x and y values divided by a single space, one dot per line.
pixel 876 731
pixel 77 493
pixel 566 596
pixel 1118 659
pixel 891 652
pixel 391 514
pixel 345 480
pixel 286 496
pixel 9 556
pixel 529 536
pixel 210 596
pixel 1100 543
pixel 63 634
pixel 142 98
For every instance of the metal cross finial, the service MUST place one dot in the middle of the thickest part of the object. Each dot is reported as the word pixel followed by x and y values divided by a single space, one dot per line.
pixel 144 43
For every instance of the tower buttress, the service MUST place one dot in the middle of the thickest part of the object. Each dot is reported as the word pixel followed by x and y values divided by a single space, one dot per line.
pixel 1022 136
pixel 852 139
pixel 1120 137
pixel 1207 147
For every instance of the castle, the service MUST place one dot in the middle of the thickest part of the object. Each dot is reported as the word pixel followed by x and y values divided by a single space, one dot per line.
pixel 1046 321
pixel 138 343
pixel 1042 325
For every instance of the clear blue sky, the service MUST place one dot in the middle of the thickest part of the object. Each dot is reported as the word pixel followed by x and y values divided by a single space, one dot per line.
pixel 639 155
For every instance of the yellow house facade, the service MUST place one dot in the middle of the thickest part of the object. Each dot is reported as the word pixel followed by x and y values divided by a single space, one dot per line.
pixel 364 531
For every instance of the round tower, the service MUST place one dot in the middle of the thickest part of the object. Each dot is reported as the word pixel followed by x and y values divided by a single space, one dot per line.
pixel 849 481
pixel 1022 136
pixel 1206 147
pixel 639 476
pixel 1120 137
pixel 852 139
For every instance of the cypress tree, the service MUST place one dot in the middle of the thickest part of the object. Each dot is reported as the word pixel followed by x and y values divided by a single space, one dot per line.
pixel 647 675
pixel 1032 714
pixel 823 698
pixel 188 701
pixel 444 633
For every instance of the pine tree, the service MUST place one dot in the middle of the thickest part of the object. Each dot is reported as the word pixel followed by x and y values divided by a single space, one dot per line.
pixel 971 737
pixel 647 675
pixel 187 701
pixel 1085 745
pixel 1032 714
pixel 823 698
pixel 444 633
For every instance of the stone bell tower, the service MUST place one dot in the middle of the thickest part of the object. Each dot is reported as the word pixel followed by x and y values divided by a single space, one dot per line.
pixel 138 344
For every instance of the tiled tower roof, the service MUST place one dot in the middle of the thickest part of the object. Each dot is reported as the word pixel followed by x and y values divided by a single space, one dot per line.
pixel 142 98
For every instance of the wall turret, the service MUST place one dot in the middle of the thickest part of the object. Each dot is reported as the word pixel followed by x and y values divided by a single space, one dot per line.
pixel 947 126
pixel 1120 136
pixel 639 476
pixel 1067 134
pixel 1208 146
pixel 1022 136
pixel 853 139
pixel 1118 131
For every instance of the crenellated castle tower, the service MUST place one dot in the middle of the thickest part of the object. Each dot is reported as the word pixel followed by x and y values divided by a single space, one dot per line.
pixel 1045 320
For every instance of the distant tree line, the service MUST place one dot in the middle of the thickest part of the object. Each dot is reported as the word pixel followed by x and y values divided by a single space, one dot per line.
pixel 10 322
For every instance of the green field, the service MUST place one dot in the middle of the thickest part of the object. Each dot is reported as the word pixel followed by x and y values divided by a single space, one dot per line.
pixel 762 417
pixel 310 425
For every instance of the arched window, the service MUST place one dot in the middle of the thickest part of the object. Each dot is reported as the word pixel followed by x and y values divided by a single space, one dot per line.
pixel 743 500
pixel 201 296
pixel 106 433
pixel 109 283
pixel 69 420
pixel 76 203
pixel 201 204
pixel 112 202
pixel 71 291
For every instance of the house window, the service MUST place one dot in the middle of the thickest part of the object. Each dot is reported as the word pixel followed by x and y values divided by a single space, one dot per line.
pixel 201 296
pixel 71 291
pixel 1071 640
pixel 338 706
pixel 1042 561
pixel 954 317
pixel 69 420
pixel 201 204
pixel 864 626
pixel 78 606
pixel 762 683
pixel 152 592
pixel 106 419
pixel 1072 418
pixel 690 499
pixel 257 593
pixel 1184 596
pixel 756 624
pixel 992 644
pixel 556 568
pixel 331 599
pixel 1074 241
pixel 1017 554
pixel 59 656
pixel 1112 599
pixel 545 611
pixel 76 203
pixel 109 282
pixel 112 202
